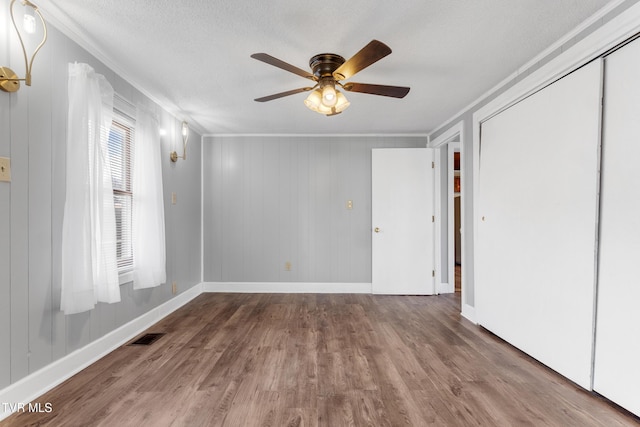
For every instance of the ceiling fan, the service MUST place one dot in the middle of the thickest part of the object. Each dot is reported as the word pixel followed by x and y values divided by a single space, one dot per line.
pixel 328 69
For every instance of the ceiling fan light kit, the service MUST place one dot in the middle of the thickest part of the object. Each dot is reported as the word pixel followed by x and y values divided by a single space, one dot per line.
pixel 326 99
pixel 327 71
pixel 315 102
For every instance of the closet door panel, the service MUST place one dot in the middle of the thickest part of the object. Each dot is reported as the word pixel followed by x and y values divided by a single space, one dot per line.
pixel 535 274
pixel 617 357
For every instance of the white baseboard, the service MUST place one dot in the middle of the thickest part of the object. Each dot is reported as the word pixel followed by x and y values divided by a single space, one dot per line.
pixel 469 313
pixel 287 287
pixel 36 384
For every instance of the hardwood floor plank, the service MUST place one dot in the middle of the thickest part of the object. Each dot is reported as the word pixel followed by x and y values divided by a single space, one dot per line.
pixel 321 360
pixel 400 406
pixel 357 370
pixel 369 409
pixel 335 410
pixel 299 417
pixel 403 358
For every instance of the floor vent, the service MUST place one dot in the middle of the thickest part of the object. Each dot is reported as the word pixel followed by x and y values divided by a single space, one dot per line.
pixel 147 339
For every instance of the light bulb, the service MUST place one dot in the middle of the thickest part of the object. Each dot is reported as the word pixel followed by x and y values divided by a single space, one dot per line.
pixel 29 23
pixel 185 132
pixel 329 96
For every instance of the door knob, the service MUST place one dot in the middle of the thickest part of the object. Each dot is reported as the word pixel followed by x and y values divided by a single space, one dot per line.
pixel 377 229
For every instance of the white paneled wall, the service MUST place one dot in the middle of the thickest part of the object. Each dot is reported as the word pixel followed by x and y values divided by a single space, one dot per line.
pixel 272 200
pixel 34 332
pixel 5 212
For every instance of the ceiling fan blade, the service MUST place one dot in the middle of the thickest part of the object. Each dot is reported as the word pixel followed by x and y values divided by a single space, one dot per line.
pixel 392 91
pixel 282 94
pixel 266 58
pixel 369 54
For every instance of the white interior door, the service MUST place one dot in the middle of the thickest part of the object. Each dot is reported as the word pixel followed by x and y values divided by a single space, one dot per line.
pixel 616 373
pixel 402 221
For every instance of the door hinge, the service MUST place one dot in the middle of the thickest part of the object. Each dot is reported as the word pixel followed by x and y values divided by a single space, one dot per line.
pixel 433 218
pixel 433 273
pixel 433 165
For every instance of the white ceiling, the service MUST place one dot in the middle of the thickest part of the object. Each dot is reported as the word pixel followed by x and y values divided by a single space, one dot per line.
pixel 193 56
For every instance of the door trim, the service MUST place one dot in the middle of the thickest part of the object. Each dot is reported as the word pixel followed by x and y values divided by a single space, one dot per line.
pixel 441 192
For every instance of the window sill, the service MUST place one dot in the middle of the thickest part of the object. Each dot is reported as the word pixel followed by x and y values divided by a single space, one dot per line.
pixel 125 277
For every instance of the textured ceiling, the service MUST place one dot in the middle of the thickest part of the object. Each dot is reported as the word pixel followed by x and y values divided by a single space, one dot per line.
pixel 193 56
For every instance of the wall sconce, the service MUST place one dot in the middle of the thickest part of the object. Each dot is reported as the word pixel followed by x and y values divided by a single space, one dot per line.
pixel 185 138
pixel 9 81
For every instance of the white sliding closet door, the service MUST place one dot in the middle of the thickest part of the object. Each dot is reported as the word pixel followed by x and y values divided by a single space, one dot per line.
pixel 537 214
pixel 617 358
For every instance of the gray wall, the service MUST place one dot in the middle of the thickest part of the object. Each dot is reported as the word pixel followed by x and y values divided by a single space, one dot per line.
pixel 269 200
pixel 34 332
pixel 467 144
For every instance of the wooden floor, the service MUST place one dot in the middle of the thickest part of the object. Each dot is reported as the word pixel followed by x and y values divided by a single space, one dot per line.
pixel 326 360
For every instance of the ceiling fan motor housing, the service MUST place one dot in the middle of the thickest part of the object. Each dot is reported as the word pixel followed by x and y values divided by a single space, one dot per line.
pixel 324 64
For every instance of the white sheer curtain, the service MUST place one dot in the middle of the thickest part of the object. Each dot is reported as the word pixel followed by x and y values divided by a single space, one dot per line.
pixel 149 255
pixel 89 262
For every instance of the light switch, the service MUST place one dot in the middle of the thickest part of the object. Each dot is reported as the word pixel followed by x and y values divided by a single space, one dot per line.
pixel 174 198
pixel 5 169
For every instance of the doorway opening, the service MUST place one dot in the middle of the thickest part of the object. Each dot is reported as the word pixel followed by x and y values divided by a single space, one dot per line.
pixel 449 193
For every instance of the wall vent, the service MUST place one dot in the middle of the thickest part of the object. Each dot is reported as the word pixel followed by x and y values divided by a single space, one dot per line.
pixel 147 339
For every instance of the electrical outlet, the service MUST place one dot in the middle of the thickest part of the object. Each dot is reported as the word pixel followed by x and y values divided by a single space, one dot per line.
pixel 5 169
pixel 349 204
pixel 174 288
pixel 287 266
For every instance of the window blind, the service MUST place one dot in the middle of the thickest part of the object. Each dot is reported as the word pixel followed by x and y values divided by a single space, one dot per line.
pixel 121 140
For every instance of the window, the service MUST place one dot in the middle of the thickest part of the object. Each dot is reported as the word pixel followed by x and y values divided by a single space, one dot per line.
pixel 120 143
